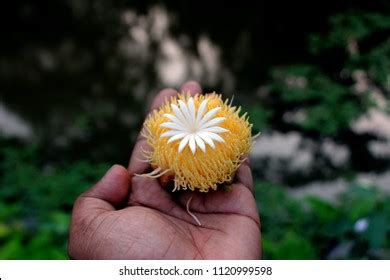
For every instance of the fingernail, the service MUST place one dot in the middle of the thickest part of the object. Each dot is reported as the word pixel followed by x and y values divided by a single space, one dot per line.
pixel 112 168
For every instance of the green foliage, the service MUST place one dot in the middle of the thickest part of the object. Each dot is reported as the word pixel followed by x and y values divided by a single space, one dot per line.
pixel 259 116
pixel 327 106
pixel 347 26
pixel 36 203
pixel 314 228
pixel 377 63
pixel 326 97
pixel 290 247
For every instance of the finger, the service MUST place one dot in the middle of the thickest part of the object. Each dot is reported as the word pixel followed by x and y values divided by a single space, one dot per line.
pixel 163 96
pixel 155 196
pixel 112 191
pixel 191 87
pixel 136 165
pixel 244 175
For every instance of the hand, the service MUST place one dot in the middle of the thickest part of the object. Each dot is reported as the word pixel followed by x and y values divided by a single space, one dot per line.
pixel 131 217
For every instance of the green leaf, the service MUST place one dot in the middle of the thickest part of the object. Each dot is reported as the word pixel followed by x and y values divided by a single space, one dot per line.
pixel 376 232
pixel 322 210
pixel 291 247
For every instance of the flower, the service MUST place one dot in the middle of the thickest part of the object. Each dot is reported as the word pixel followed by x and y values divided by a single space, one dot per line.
pixel 194 127
pixel 198 140
pixel 361 225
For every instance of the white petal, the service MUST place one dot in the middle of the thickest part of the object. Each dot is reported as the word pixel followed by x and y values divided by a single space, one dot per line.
pixel 179 114
pixel 200 143
pixel 191 108
pixel 207 139
pixel 209 115
pixel 183 143
pixel 213 122
pixel 177 137
pixel 170 133
pixel 192 144
pixel 172 125
pixel 201 109
pixel 215 129
pixel 184 110
pixel 214 136
pixel 175 119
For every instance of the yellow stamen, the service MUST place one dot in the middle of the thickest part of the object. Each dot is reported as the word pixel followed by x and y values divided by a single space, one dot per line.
pixel 200 169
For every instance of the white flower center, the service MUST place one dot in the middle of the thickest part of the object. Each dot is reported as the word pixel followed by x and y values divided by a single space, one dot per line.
pixel 194 128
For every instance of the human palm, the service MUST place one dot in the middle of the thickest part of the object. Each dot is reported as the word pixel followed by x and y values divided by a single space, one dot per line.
pixel 131 217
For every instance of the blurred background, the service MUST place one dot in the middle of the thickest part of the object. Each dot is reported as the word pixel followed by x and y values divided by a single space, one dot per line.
pixel 76 77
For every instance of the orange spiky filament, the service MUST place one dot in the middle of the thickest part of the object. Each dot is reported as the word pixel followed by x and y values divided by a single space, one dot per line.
pixel 205 168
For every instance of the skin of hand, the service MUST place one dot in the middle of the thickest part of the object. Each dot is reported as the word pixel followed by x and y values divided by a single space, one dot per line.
pixel 130 217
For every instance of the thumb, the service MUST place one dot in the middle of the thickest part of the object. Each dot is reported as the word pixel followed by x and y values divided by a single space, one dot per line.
pixel 112 191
